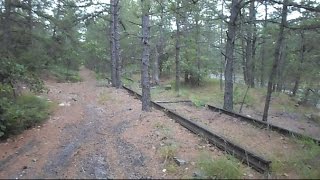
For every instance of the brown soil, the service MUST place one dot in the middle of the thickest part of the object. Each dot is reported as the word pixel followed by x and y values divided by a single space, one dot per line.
pixel 266 143
pixel 102 134
pixel 293 121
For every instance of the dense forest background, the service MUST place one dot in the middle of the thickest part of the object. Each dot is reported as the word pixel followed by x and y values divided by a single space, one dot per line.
pixel 268 45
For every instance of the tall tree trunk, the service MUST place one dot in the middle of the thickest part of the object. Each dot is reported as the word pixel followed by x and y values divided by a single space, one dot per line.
pixel 158 51
pixel 298 76
pixel 56 16
pixel 113 45
pixel 198 53
pixel 177 46
pixel 243 48
pixel 263 48
pixel 155 72
pixel 117 42
pixel 231 34
pixel 145 83
pixel 250 46
pixel 277 57
pixel 281 68
pixel 221 47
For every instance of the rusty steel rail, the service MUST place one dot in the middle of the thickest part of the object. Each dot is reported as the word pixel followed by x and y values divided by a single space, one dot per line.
pixel 261 124
pixel 170 102
pixel 245 156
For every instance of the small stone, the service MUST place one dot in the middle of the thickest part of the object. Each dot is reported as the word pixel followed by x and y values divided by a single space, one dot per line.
pixel 282 138
pixel 193 163
pixel 250 175
pixel 197 174
pixel 285 174
pixel 179 162
pixel 34 160
pixel 164 170
pixel 24 167
pixel 39 126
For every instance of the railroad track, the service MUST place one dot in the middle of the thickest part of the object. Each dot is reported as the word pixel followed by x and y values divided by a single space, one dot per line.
pixel 245 156
pixel 262 124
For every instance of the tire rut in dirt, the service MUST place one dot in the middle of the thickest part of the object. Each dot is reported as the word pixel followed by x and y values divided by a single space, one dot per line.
pixel 10 159
pixel 130 158
pixel 81 134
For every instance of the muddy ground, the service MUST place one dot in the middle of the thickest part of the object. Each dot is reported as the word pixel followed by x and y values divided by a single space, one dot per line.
pixel 101 132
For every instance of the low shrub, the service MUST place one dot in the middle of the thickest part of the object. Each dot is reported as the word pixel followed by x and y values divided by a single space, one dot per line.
pixel 222 168
pixel 24 112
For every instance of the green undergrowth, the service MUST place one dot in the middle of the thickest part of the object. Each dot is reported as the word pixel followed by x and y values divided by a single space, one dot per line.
pixel 225 167
pixel 26 111
pixel 65 75
pixel 304 162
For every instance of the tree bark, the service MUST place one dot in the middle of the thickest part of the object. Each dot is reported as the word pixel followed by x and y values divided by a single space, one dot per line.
pixel 117 43
pixel 250 47
pixel 228 73
pixel 155 74
pixel 263 48
pixel 158 51
pixel 298 76
pixel 221 47
pixel 198 53
pixel 113 45
pixel 145 83
pixel 277 57
pixel 177 46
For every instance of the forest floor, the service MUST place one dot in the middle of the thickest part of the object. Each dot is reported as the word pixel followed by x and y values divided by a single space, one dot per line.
pixel 101 132
pixel 282 112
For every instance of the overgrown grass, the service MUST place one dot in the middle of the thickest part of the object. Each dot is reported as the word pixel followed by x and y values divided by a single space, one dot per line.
pixel 168 152
pixel 222 168
pixel 103 97
pixel 304 162
pixel 171 167
pixel 27 111
pixel 65 75
pixel 209 92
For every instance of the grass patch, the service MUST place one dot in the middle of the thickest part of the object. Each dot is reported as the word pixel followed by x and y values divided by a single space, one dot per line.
pixel 163 128
pixel 100 76
pixel 239 93
pixel 171 167
pixel 222 168
pixel 27 111
pixel 168 152
pixel 65 75
pixel 103 97
pixel 304 162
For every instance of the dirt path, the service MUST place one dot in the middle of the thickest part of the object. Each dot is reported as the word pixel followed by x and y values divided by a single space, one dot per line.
pixel 101 132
